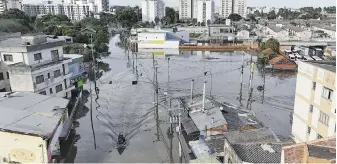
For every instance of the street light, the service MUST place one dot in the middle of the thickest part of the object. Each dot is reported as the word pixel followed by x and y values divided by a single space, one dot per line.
pixel 210 72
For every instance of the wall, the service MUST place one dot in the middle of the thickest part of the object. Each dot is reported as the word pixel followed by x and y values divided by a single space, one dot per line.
pixel 151 36
pixel 180 35
pixel 193 29
pixel 22 148
pixel 46 55
pixel 230 154
pixel 165 44
pixel 21 79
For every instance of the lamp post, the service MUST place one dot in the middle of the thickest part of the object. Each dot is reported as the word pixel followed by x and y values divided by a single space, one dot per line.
pixel 210 72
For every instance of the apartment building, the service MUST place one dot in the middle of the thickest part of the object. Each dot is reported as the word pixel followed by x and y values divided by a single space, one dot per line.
pixel 205 11
pixel 72 11
pixel 314 114
pixel 186 9
pixel 233 6
pixel 36 64
pixel 9 4
pixel 152 9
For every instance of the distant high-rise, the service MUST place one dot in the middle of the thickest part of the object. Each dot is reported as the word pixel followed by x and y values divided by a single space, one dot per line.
pixel 152 9
pixel 186 9
pixel 205 11
pixel 10 4
pixel 233 6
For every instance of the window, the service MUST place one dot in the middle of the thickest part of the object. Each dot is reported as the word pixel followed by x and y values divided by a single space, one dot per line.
pixel 1 76
pixel 311 108
pixel 324 118
pixel 39 79
pixel 54 55
pixel 48 75
pixel 43 93
pixel 327 93
pixel 8 58
pixel 57 73
pixel 58 88
pixel 51 90
pixel 313 85
pixel 309 130
pixel 7 75
pixel 319 136
pixel 37 56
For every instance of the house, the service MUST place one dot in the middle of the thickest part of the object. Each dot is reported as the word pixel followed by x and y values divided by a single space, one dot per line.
pixel 298 33
pixel 252 146
pixel 243 34
pixel 31 130
pixel 316 151
pixel 329 30
pixel 281 62
pixel 36 64
pixel 76 67
pixel 161 39
pixel 4 78
pixel 276 32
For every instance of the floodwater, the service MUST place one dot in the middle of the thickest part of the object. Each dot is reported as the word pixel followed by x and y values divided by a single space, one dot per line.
pixel 121 107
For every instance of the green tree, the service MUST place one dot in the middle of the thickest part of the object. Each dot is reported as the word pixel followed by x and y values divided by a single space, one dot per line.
pixel 208 22
pixel 234 17
pixel 203 24
pixel 273 44
pixel 170 14
pixel 194 22
pixel 199 23
pixel 156 20
pixel 271 15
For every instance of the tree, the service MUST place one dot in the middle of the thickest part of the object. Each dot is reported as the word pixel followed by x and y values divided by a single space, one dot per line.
pixel 273 44
pixel 234 17
pixel 194 22
pixel 199 23
pixel 170 13
pixel 202 24
pixel 156 20
pixel 257 13
pixel 271 15
pixel 208 22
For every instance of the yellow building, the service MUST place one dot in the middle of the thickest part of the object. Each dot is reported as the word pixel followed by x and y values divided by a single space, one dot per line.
pixel 314 113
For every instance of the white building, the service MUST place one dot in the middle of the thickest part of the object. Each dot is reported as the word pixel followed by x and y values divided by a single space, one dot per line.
pixel 205 11
pixel 36 64
pixel 152 9
pixel 102 5
pixel 72 11
pixel 186 9
pixel 314 114
pixel 233 6
pixel 161 39
pixel 4 78
pixel 2 6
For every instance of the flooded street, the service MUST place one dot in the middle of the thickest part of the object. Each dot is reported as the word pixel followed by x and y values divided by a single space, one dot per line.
pixel 121 107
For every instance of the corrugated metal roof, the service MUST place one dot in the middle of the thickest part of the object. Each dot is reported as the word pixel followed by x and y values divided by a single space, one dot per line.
pixel 25 112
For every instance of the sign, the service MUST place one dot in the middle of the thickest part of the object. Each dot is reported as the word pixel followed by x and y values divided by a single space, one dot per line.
pixel 22 155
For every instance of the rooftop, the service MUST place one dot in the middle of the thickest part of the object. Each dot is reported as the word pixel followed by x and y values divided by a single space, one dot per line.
pixel 16 45
pixel 275 28
pixel 199 148
pixel 259 152
pixel 35 114
pixel 294 28
pixel 322 150
pixel 328 65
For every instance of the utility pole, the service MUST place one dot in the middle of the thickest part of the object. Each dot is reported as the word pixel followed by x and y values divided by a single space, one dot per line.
pixel 204 97
pixel 264 83
pixel 241 80
pixel 157 111
pixel 179 133
pixel 192 88
pixel 136 66
pixel 249 102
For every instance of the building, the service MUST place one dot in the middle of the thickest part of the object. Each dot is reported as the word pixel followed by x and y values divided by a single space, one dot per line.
pixel 102 5
pixel 316 151
pixel 329 30
pixel 4 78
pixel 152 9
pixel 314 114
pixel 233 6
pixel 76 67
pixel 2 6
pixel 205 10
pixel 162 39
pixel 243 34
pixel 272 31
pixel 10 4
pixel 298 33
pixel 36 64
pixel 252 146
pixel 187 9
pixel 33 127
pixel 72 11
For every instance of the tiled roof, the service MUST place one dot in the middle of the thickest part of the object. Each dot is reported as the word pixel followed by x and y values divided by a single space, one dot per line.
pixel 324 149
pixel 259 152
pixel 280 59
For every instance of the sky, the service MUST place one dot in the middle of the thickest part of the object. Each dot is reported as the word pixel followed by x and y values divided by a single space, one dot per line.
pixel 252 3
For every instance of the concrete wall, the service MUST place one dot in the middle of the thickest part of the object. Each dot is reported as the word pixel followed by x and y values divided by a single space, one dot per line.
pixel 165 44
pixel 22 148
pixel 230 155
pixel 46 55
pixel 151 36
pixel 193 29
